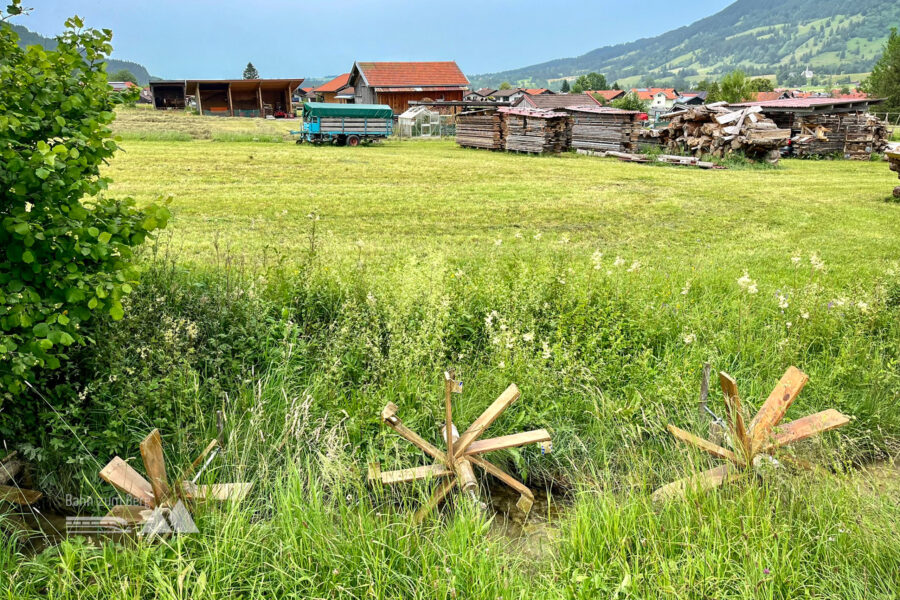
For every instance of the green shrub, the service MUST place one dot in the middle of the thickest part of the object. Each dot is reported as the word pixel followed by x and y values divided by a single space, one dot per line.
pixel 64 261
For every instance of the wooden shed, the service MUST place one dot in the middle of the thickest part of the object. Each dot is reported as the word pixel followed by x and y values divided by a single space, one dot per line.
pixel 228 97
pixel 399 83
pixel 334 90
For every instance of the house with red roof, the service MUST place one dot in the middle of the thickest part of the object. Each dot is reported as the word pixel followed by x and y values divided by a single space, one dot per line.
pixel 608 95
pixel 399 83
pixel 661 99
pixel 330 90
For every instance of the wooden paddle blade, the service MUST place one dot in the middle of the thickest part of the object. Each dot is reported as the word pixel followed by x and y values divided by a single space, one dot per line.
pixel 706 480
pixel 129 514
pixel 735 417
pixel 705 445
pixel 220 492
pixel 526 498
pixel 17 495
pixel 155 464
pixel 437 497
pixel 124 478
pixel 806 427
pixel 407 475
pixel 510 395
pixel 509 441
pixel 415 439
pixel 776 406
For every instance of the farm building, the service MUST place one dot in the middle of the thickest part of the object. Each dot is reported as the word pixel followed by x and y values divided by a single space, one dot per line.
pixel 555 101
pixel 335 90
pixel 608 95
pixel 823 126
pixel 228 97
pixel 399 83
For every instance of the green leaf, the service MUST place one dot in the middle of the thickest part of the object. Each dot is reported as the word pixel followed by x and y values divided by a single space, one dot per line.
pixel 105 237
pixel 27 257
pixel 116 311
pixel 42 173
pixel 60 121
pixel 41 330
pixel 93 231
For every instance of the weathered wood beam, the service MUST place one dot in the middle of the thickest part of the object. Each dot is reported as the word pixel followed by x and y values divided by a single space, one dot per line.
pixel 389 414
pixel 706 446
pixel 124 478
pixel 18 495
pixel 510 395
pixel 508 441
pixel 526 496
pixel 775 406
pixel 703 481
pixel 806 427
pixel 735 417
pixel 407 475
pixel 437 497
pixel 155 464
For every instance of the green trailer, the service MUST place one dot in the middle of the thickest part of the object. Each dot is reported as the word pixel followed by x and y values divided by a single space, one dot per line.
pixel 345 124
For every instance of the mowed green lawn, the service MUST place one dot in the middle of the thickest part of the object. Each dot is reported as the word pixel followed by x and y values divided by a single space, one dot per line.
pixel 434 197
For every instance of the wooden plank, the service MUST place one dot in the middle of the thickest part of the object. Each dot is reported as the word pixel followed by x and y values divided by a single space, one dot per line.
pixel 437 497
pixel 125 514
pixel 220 492
pixel 705 445
pixel 414 438
pixel 776 405
pixel 508 441
pixel 413 474
pixel 124 478
pixel 524 491
pixel 193 466
pixel 17 495
pixel 806 427
pixel 703 481
pixel 155 465
pixel 510 395
pixel 735 417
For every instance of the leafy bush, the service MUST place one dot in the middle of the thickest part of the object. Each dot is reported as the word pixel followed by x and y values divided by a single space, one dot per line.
pixel 64 260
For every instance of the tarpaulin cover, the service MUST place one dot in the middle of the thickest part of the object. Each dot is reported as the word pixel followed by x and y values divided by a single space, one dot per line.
pixel 350 111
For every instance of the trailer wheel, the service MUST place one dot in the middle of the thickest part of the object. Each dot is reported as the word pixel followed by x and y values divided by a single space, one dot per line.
pixel 353 140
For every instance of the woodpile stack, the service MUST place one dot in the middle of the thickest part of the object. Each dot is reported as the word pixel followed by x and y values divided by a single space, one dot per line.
pixel 604 129
pixel 535 131
pixel 894 161
pixel 854 135
pixel 479 129
pixel 717 130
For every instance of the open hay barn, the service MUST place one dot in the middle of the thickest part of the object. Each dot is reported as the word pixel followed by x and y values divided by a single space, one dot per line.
pixel 228 97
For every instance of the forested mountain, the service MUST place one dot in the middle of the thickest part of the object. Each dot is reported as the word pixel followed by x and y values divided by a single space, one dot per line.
pixel 780 37
pixel 30 38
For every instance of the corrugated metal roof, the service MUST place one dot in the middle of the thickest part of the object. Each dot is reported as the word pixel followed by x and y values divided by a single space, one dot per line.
pixel 406 74
pixel 801 103
pixel 607 110
pixel 557 100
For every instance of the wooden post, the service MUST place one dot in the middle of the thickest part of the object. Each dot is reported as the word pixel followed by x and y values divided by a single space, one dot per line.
pixel 199 107
pixel 448 429
pixel 262 113
pixel 230 104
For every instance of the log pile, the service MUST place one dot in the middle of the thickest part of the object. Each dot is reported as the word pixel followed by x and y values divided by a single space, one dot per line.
pixel 535 131
pixel 854 135
pixel 894 161
pixel 717 130
pixel 604 129
pixel 479 129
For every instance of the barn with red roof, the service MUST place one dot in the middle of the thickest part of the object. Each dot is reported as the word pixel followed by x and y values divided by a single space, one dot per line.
pixel 399 83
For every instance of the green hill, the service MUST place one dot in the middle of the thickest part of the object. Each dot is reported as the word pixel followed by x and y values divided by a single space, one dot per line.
pixel 762 37
pixel 30 38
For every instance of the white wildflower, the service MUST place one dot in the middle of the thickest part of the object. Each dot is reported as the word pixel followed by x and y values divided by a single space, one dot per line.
pixel 789 324
pixel 687 288
pixel 690 338
pixel 564 239
pixel 546 347
pixel 782 301
pixel 619 261
pixel 518 235
pixel 528 337
pixel 634 267
pixel 817 263
pixel 747 284
pixel 796 260
pixel 597 258
pixel 28 207
pixel 498 242
pixel 538 235
pixel 502 364
pixel 839 301
pixel 561 281
pixel 804 314
pixel 863 306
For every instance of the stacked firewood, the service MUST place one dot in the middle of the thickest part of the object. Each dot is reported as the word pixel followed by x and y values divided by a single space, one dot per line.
pixel 716 129
pixel 535 131
pixel 604 129
pixel 479 129
pixel 854 135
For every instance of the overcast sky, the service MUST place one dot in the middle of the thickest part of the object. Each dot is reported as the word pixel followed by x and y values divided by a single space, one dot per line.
pixel 313 38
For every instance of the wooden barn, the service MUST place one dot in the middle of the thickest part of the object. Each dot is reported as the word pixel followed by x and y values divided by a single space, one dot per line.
pixel 228 97
pixel 399 83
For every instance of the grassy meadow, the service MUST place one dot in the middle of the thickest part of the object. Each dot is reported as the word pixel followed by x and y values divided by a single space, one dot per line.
pixel 301 289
